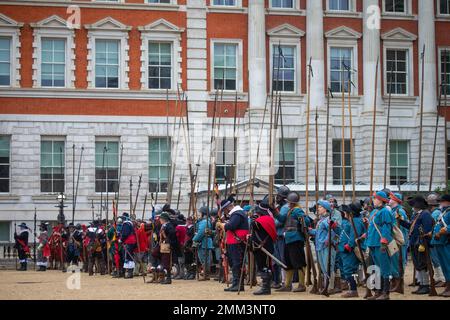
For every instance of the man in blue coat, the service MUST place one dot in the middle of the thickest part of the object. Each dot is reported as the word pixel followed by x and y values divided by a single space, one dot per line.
pixel 441 241
pixel 422 223
pixel 282 209
pixel 204 238
pixel 433 201
pixel 379 234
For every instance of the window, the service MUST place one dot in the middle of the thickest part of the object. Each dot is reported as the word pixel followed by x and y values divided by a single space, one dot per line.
pixel 445 72
pixel 53 62
pixel 339 5
pixel 225 66
pixel 285 56
pixel 5 61
pixel 5 231
pixel 224 2
pixel 282 3
pixel 107 63
pixel 5 146
pixel 337 162
pixel 285 163
pixel 397 62
pixel 159 162
pixel 106 166
pixel 444 6
pixel 52 166
pixel 395 6
pixel 399 161
pixel 225 159
pixel 159 65
pixel 159 1
pixel 340 58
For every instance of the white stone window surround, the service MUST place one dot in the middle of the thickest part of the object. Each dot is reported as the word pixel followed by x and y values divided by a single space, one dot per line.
pixel 407 13
pixel 401 39
pixel 239 62
pixel 440 72
pixel 162 31
pixel 344 37
pixel 439 14
pixel 54 138
pixel 286 11
pixel 109 29
pixel 288 35
pixel 342 13
pixel 236 8
pixel 10 28
pixel 53 27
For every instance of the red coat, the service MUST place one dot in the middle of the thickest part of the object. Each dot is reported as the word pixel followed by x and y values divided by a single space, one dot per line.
pixel 142 239
pixel 181 234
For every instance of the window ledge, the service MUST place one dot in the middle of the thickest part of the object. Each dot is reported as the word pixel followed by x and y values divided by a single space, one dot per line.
pixel 50 197
pixel 342 14
pixel 443 17
pixel 285 12
pixel 337 98
pixel 228 96
pixel 292 97
pixel 111 196
pixel 398 16
pixel 226 9
pixel 9 197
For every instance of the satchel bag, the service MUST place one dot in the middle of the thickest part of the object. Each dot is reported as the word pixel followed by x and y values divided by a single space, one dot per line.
pixel 392 246
pixel 164 247
pixel 398 235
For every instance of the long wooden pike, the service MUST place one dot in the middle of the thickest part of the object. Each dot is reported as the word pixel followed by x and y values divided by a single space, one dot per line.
pixel 352 149
pixel 131 195
pixel 373 127
pixel 445 119
pixel 103 181
pixel 169 145
pixel 317 159
pixel 116 204
pixel 280 113
pixel 343 136
pixel 211 148
pixel 435 139
pixel 187 140
pixel 308 111
pixel 234 171
pixel 78 182
pixel 137 196
pixel 387 127
pixel 145 203
pixel 327 134
pixel 419 169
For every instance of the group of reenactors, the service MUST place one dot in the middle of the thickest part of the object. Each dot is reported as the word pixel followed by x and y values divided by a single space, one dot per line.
pixel 365 243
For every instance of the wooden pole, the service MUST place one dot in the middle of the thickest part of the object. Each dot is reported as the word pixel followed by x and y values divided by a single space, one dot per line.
pixel 308 111
pixel 445 121
pixel 373 127
pixel 352 149
pixel 419 167
pixel 329 93
pixel 317 159
pixel 386 148
pixel 435 139
pixel 343 136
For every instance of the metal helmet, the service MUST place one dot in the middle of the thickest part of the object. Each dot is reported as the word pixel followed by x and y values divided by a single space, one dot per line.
pixel 433 199
pixel 283 191
pixel 214 212
pixel 204 210
pixel 293 197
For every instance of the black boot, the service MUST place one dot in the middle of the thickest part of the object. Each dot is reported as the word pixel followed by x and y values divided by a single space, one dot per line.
pixel 266 284
pixel 168 279
pixel 235 283
pixel 423 290
pixel 129 273
pixel 24 267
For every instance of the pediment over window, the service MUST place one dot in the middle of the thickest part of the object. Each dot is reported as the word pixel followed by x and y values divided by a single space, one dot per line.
pixel 161 25
pixel 343 32
pixel 286 30
pixel 399 34
pixel 6 22
pixel 108 23
pixel 54 21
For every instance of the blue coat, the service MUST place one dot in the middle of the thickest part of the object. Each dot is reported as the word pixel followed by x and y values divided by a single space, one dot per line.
pixel 424 221
pixel 444 219
pixel 206 242
pixel 348 235
pixel 321 234
pixel 398 210
pixel 384 220
pixel 294 235
pixel 280 219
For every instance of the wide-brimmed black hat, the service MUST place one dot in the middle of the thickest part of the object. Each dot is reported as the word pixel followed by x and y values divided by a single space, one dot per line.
pixel 356 208
pixel 444 197
pixel 23 225
pixel 418 202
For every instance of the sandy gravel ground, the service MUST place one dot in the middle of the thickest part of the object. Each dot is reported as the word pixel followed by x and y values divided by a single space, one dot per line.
pixel 51 285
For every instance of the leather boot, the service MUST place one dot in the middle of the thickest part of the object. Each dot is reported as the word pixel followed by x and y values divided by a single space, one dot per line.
pixel 168 279
pixel 129 273
pixel 235 283
pixel 266 284
pixel 350 294
pixel 398 286
pixel 385 290
pixel 423 290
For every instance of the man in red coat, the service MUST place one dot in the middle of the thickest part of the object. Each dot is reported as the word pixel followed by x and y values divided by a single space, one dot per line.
pixel 141 252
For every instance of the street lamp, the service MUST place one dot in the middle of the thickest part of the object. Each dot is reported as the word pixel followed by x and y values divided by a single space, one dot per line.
pixel 61 218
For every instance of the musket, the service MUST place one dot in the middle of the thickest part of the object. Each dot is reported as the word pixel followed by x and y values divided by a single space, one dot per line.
pixel 387 128
pixel 241 275
pixel 327 130
pixel 358 244
pixel 422 56
pixel 310 258
pixel 373 127
pixel 433 292
pixel 137 196
pixel 78 182
pixel 308 111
